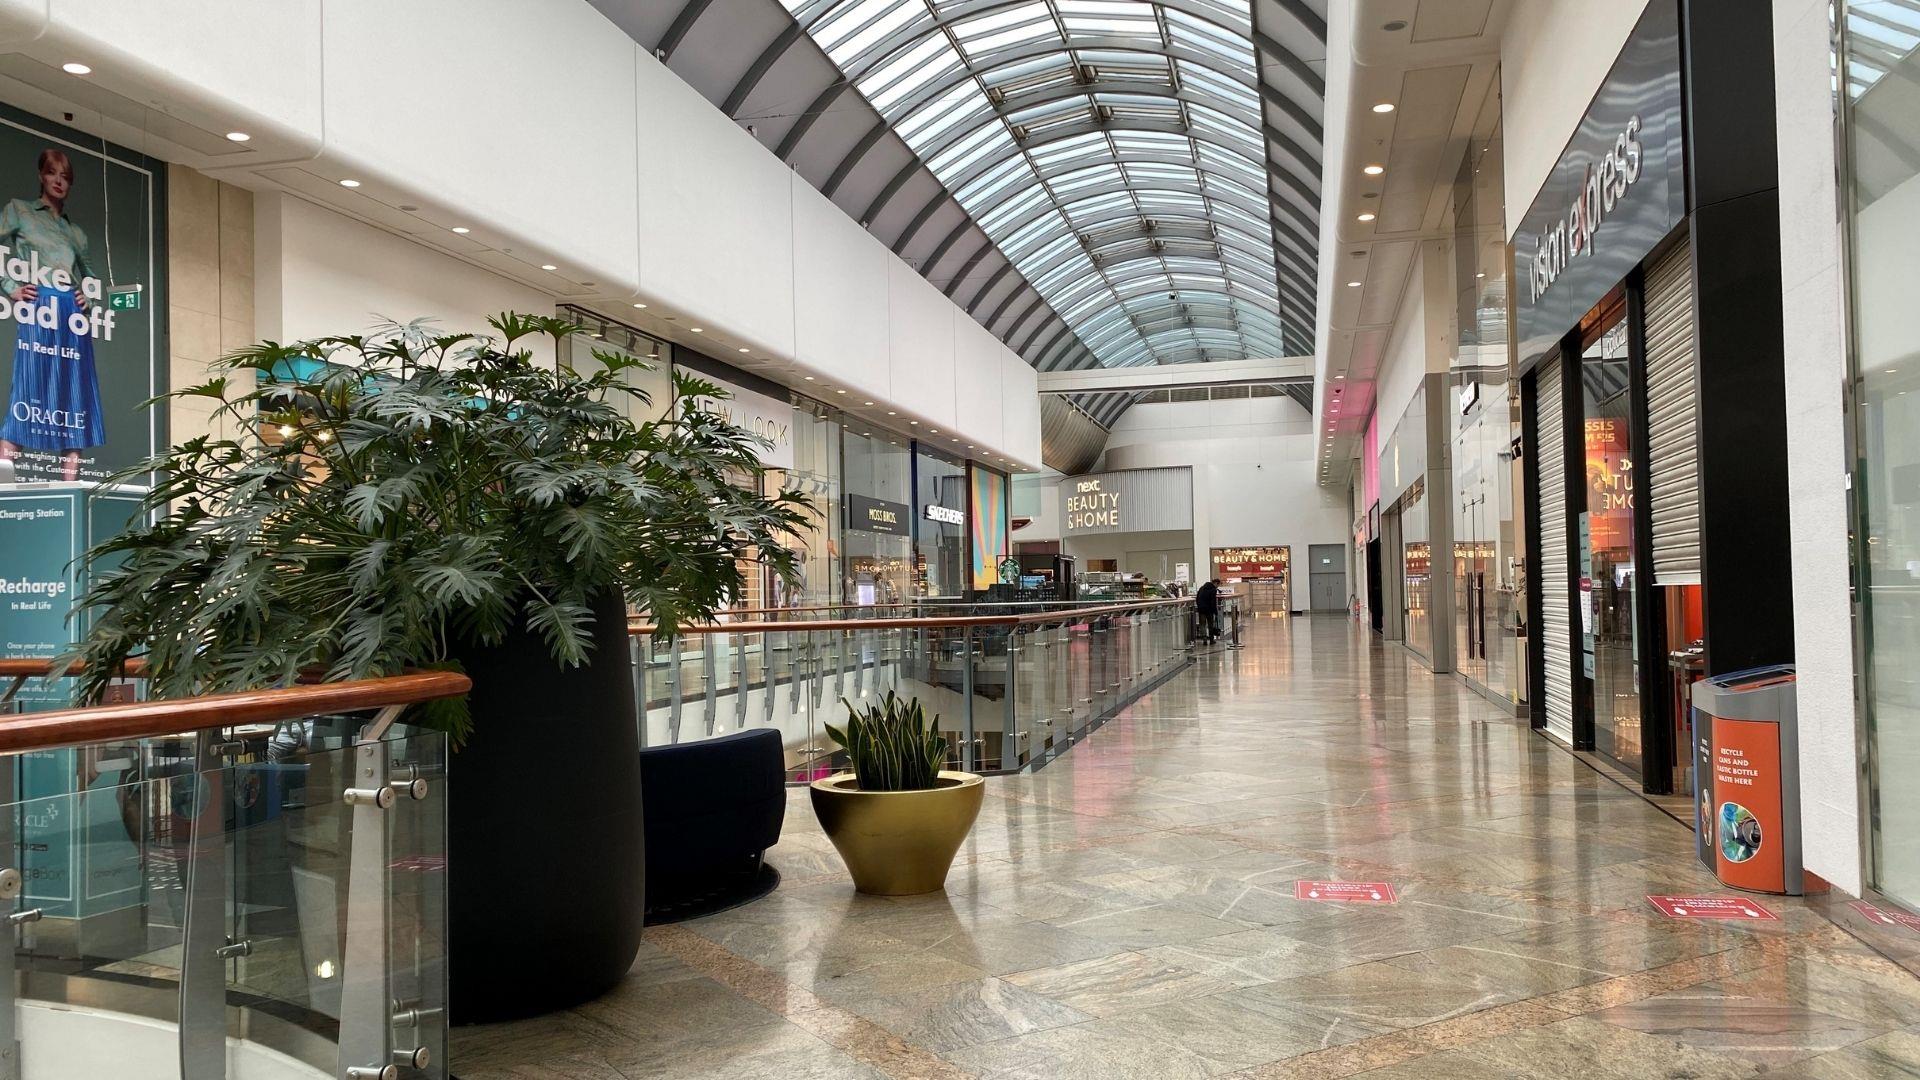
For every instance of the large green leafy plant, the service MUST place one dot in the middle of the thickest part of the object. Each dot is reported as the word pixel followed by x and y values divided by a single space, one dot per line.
pixel 891 745
pixel 425 491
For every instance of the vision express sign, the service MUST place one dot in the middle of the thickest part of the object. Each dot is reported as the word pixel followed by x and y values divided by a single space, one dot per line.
pixel 1618 189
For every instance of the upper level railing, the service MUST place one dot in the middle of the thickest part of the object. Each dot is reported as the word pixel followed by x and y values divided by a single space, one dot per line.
pixel 1012 689
pixel 225 887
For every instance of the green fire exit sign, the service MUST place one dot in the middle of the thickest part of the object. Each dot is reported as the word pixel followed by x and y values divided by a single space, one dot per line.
pixel 125 298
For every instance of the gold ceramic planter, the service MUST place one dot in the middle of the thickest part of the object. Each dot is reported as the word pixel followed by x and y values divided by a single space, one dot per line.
pixel 896 843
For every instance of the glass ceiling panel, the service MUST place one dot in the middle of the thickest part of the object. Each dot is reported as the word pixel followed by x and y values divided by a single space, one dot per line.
pixel 1071 106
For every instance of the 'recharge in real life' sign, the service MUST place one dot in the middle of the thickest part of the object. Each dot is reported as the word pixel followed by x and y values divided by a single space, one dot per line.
pixel 1131 500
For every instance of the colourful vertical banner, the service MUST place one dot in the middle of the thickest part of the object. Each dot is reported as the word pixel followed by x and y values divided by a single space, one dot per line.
pixel 987 524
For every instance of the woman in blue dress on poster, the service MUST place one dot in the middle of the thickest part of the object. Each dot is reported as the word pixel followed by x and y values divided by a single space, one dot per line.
pixel 55 400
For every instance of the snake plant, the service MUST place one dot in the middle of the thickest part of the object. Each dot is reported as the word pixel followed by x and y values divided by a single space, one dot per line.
pixel 891 745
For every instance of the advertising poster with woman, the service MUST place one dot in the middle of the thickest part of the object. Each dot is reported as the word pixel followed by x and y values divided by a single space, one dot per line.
pixel 78 302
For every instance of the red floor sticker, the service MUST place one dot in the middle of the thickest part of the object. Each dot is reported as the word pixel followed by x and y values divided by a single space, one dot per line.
pixel 1711 907
pixel 1355 892
pixel 1876 914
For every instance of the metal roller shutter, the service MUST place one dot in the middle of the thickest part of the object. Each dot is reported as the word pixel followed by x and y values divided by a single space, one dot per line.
pixel 1673 471
pixel 1556 630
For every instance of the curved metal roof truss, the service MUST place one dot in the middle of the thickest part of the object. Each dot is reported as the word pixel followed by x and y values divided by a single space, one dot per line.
pixel 1119 155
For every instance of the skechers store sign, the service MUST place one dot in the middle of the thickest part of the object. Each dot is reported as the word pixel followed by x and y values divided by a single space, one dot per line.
pixel 1617 191
pixel 1134 500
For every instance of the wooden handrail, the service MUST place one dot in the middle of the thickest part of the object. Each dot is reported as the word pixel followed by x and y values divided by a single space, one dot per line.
pixel 146 719
pixel 134 668
pixel 931 601
pixel 1065 615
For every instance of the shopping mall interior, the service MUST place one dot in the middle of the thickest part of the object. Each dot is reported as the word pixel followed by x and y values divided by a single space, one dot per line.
pixel 974 538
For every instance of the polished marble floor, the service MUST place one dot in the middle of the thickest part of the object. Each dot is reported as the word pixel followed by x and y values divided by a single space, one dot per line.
pixel 1130 911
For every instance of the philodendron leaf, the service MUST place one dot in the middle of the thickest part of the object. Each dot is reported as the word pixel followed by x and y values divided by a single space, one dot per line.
pixel 435 489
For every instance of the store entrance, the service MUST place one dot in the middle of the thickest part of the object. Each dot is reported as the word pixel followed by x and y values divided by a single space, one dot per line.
pixel 1609 624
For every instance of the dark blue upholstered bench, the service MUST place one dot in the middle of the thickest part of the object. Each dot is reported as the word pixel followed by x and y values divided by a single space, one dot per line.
pixel 713 808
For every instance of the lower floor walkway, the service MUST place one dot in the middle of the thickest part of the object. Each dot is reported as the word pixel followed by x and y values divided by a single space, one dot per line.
pixel 1132 910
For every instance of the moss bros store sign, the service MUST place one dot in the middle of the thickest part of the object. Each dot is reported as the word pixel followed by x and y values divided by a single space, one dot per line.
pixel 1134 500
pixel 877 515
pixel 1617 191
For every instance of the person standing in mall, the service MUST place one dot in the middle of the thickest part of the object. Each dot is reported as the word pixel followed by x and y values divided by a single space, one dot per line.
pixel 1206 604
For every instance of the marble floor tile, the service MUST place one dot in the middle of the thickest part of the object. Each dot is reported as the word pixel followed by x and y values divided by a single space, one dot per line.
pixel 1378 996
pixel 958 1015
pixel 1250 957
pixel 1129 911
pixel 1087 1052
pixel 1764 1029
pixel 1895 1054
pixel 1119 983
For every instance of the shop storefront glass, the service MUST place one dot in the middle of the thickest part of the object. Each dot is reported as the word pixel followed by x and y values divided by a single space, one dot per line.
pixel 939 524
pixel 1488 553
pixel 1608 625
pixel 815 474
pixel 1880 72
pixel 878 468
pixel 1417 569
pixel 654 379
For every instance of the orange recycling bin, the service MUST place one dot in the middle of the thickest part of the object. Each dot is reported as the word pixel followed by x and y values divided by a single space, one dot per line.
pixel 1747 771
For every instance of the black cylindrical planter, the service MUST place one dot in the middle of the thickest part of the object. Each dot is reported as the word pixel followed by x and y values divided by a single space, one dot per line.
pixel 546 855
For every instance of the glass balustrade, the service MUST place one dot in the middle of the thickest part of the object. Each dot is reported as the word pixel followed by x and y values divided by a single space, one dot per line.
pixel 257 901
pixel 1014 685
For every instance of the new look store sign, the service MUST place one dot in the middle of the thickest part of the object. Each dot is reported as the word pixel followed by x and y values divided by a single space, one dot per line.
pixel 768 417
pixel 1617 191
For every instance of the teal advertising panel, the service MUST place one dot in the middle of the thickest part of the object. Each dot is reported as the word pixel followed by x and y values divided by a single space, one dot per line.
pixel 78 853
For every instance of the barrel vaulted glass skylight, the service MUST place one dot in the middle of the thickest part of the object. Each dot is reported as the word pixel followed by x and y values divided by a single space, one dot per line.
pixel 1112 149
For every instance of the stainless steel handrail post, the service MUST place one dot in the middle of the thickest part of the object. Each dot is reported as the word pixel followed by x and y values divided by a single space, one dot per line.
pixel 366 993
pixel 637 654
pixel 709 671
pixel 742 682
pixel 1011 733
pixel 969 759
pixel 673 689
pixel 203 983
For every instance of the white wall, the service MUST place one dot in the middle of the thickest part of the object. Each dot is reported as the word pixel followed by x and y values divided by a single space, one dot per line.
pixel 317 272
pixel 1816 374
pixel 1037 497
pixel 567 144
pixel 1254 478
pixel 1553 57
pixel 1407 357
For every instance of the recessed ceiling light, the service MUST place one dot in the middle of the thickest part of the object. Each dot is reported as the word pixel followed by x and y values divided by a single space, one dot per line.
pixel 548 266
pixel 696 329
pixel 1374 170
pixel 808 378
pixel 349 183
pixel 890 412
pixel 462 229
pixel 869 403
pixel 1353 284
pixel 1366 217
pixel 74 67
pixel 839 391
pixel 743 348
pixel 1481 274
pixel 913 423
pixel 238 136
